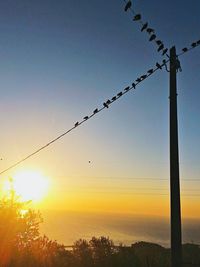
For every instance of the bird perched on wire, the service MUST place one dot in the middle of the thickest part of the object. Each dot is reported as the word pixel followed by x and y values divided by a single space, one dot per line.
pixel 159 42
pixel 185 49
pixel 105 105
pixel 153 37
pixel 76 124
pixel 144 26
pixel 150 71
pixel 95 111
pixel 137 17
pixel 150 30
pixel 160 47
pixel 138 80
pixel 133 85
pixel 194 44
pixel 158 66
pixel 143 77
pixel 127 88
pixel 120 94
pixel 164 51
pixel 114 98
pixel 86 118
pixel 127 6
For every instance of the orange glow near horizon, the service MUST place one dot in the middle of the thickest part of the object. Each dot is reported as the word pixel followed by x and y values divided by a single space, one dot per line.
pixel 28 185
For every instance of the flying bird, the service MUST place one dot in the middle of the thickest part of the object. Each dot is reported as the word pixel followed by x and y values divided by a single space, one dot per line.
pixel 95 111
pixel 127 6
pixel 144 27
pixel 153 37
pixel 137 17
pixel 185 49
pixel 133 85
pixel 158 66
pixel 105 105
pixel 86 118
pixel 160 47
pixel 76 124
pixel 150 30
pixel 150 71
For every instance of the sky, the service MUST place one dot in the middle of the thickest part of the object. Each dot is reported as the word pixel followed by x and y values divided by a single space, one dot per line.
pixel 62 59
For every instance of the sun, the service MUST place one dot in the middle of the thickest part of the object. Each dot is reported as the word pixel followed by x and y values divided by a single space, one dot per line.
pixel 30 185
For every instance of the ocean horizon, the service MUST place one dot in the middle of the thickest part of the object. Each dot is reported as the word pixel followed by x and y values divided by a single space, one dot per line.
pixel 67 226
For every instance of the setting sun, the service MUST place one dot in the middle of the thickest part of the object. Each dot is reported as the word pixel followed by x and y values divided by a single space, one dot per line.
pixel 30 185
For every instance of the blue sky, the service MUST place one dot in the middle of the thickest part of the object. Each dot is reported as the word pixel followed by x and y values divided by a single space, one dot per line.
pixel 61 59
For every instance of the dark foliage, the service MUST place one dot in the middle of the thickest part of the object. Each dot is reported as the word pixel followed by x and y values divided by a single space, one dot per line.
pixel 21 245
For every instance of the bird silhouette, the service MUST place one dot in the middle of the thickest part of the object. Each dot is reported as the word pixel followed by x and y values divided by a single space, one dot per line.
pixel 127 88
pixel 95 111
pixel 86 118
pixel 138 80
pixel 133 85
pixel 194 44
pixel 153 37
pixel 144 26
pixel 108 102
pixel 185 49
pixel 159 42
pixel 150 71
pixel 198 42
pixel 143 77
pixel 127 6
pixel 120 94
pixel 158 66
pixel 160 47
pixel 76 124
pixel 114 98
pixel 105 105
pixel 150 30
pixel 137 17
pixel 164 51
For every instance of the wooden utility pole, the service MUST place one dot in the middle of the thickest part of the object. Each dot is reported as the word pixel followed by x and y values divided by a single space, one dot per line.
pixel 176 240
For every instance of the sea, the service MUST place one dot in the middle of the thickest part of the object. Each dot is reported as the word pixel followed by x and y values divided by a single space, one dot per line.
pixel 67 226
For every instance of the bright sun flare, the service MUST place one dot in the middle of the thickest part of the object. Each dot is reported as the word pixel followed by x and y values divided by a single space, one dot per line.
pixel 30 185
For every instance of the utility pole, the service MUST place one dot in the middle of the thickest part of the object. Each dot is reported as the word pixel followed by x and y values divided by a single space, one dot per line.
pixel 176 240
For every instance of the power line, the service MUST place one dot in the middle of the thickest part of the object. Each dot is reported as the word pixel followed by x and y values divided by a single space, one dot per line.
pixel 137 17
pixel 97 110
pixel 105 104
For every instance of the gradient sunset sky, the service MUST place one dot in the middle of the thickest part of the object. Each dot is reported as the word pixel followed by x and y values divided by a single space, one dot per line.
pixel 62 59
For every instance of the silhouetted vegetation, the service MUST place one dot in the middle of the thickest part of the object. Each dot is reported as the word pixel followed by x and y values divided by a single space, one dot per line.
pixel 21 245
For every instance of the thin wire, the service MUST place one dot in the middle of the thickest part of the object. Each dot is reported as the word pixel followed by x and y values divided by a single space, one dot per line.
pixel 143 23
pixel 83 121
pixel 89 117
pixel 128 178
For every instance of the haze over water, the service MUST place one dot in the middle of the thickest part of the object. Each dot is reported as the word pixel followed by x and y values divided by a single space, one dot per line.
pixel 67 227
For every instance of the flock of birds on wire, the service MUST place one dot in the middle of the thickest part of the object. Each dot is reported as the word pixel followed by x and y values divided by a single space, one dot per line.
pixel 151 32
pixel 158 66
pixel 145 28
